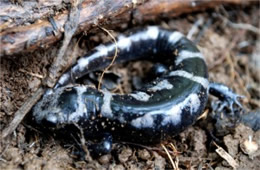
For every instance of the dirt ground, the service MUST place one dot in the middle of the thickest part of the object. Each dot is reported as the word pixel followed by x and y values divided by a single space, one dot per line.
pixel 228 36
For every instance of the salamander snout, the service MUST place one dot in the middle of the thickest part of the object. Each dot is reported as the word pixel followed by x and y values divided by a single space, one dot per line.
pixel 64 105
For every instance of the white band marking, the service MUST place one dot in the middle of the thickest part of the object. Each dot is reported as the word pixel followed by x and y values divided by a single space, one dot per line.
pixel 141 96
pixel 164 84
pixel 81 109
pixel 172 113
pixel 153 32
pixel 124 42
pixel 175 37
pixel 64 78
pixel 106 110
pixel 201 80
pixel 183 55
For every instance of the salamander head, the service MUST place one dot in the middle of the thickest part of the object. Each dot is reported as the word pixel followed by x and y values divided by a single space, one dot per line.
pixel 64 105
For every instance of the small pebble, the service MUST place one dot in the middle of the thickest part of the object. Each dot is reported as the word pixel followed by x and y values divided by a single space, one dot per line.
pixel 124 155
pixel 144 154
pixel 105 159
pixel 248 146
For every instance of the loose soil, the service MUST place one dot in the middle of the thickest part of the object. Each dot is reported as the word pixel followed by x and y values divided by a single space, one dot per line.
pixel 233 56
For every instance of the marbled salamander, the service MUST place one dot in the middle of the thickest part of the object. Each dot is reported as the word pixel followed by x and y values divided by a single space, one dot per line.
pixel 160 110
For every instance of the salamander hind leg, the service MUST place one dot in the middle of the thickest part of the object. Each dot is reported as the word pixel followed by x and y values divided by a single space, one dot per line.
pixel 226 95
pixel 103 147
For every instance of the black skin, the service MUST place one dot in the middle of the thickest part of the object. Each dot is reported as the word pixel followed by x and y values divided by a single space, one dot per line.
pixel 159 50
pixel 227 97
pixel 104 141
pixel 100 148
pixel 225 94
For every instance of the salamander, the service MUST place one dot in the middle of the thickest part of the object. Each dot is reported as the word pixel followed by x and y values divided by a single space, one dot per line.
pixel 159 110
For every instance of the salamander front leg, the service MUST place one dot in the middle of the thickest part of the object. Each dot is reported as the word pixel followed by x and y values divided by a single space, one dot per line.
pixel 103 147
pixel 225 94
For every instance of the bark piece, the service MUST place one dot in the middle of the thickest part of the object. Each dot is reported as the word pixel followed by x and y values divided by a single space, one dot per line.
pixel 42 34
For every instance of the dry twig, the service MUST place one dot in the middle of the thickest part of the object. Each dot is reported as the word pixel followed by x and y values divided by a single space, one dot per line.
pixel 26 107
pixel 61 61
pixel 174 164
pixel 243 26
pixel 113 60
pixel 41 34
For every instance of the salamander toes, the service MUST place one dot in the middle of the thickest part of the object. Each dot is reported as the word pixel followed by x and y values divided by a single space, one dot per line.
pixel 233 101
pixel 228 98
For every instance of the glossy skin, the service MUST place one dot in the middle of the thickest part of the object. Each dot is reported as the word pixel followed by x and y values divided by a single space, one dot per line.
pixel 160 110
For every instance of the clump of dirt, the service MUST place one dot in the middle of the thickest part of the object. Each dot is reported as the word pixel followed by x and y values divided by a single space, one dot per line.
pixel 232 55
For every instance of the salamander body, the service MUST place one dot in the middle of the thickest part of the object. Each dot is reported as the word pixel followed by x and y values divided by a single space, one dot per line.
pixel 158 111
